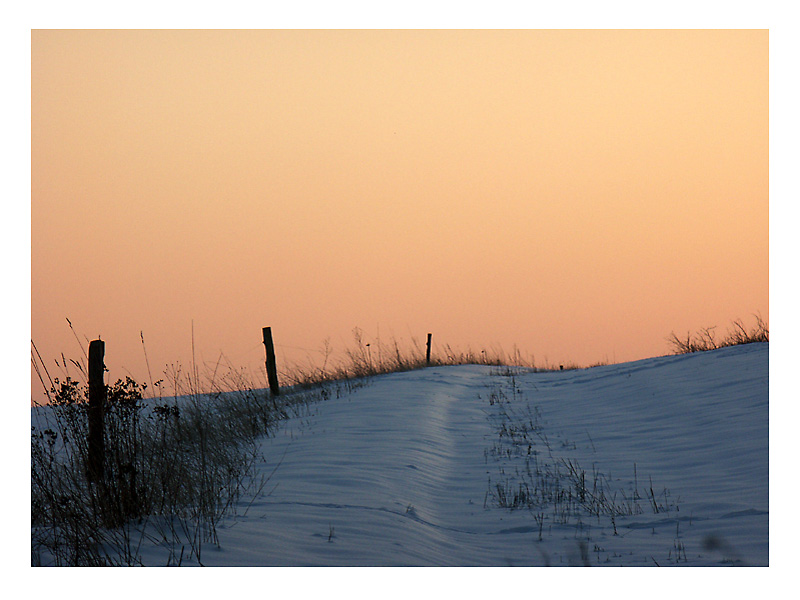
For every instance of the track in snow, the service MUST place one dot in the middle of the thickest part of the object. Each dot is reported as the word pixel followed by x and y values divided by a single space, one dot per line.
pixel 400 472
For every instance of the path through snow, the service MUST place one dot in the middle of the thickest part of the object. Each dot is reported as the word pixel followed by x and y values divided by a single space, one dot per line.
pixel 404 471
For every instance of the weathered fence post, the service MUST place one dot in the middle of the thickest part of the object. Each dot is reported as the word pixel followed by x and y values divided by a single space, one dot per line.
pixel 272 369
pixel 428 353
pixel 97 400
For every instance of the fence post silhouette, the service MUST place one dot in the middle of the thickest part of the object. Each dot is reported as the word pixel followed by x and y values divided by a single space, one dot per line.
pixel 97 400
pixel 428 353
pixel 272 369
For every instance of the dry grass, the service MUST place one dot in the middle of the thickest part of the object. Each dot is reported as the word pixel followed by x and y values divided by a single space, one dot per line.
pixel 366 358
pixel 173 467
pixel 180 460
pixel 706 338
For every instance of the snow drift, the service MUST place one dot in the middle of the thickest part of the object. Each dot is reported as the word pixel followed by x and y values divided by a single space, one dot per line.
pixel 661 461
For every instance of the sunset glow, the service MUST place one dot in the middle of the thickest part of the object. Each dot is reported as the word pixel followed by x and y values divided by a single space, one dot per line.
pixel 576 194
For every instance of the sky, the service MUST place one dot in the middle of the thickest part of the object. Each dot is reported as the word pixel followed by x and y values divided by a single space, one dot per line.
pixel 578 195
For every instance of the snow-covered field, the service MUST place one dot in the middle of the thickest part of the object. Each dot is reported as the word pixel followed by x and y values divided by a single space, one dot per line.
pixel 423 468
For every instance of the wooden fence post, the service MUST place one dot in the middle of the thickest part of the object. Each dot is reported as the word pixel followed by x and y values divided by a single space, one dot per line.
pixel 428 353
pixel 272 369
pixel 97 400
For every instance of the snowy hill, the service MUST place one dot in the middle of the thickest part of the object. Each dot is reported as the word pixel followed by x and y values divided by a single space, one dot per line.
pixel 663 461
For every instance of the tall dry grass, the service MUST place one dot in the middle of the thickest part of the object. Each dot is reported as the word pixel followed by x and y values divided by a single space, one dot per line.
pixel 173 465
pixel 706 338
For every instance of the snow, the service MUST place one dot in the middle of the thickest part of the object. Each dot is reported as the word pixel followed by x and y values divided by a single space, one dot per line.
pixel 401 472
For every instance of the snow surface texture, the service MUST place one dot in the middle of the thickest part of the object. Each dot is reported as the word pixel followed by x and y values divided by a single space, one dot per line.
pixel 662 462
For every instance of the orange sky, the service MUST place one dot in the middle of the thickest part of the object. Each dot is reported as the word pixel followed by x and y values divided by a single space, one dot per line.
pixel 580 194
